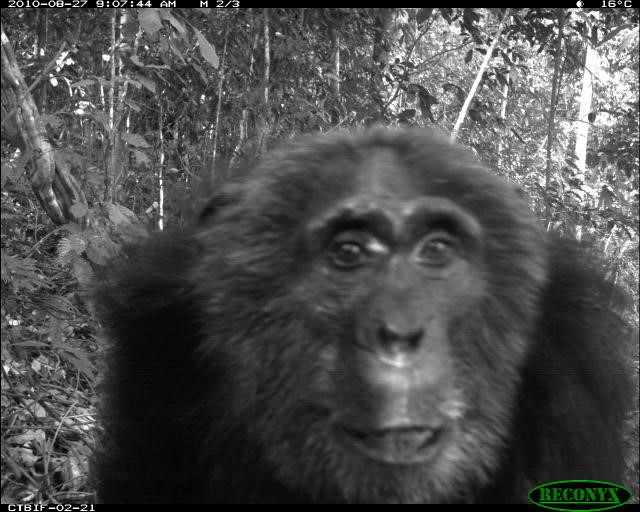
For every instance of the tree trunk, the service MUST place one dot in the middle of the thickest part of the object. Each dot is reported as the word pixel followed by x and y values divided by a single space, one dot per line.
pixel 57 190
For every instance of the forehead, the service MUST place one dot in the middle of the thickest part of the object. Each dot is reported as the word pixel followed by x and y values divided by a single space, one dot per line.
pixel 382 175
pixel 309 179
pixel 384 189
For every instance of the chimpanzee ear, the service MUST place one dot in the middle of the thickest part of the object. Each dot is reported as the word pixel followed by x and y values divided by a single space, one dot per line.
pixel 225 197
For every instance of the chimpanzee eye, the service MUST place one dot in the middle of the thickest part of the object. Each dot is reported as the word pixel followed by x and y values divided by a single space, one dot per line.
pixel 436 250
pixel 347 254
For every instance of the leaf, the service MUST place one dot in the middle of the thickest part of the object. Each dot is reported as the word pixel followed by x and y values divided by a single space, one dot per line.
pixel 29 344
pixel 139 158
pixel 83 272
pixel 407 114
pixel 468 56
pixel 79 360
pixel 85 82
pixel 133 106
pixel 506 58
pixel 201 72
pixel 95 255
pixel 78 210
pixel 177 53
pixel 102 82
pixel 207 51
pixel 101 118
pixel 77 244
pixel 146 82
pixel 447 14
pixel 502 79
pixel 423 15
pixel 115 215
pixel 63 249
pixel 150 20
pixel 166 14
pixel 72 227
pixel 135 140
pixel 126 212
pixel 23 456
pixel 51 120
pixel 27 436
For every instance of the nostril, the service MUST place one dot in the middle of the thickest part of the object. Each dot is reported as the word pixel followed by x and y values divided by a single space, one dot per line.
pixel 414 338
pixel 396 340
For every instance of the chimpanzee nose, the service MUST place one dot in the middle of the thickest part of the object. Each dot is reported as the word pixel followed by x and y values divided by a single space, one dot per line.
pixel 395 340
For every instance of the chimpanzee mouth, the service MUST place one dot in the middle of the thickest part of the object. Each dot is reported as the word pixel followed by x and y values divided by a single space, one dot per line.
pixel 402 445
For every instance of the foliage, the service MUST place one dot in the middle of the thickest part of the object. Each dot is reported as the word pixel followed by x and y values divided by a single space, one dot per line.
pixel 48 369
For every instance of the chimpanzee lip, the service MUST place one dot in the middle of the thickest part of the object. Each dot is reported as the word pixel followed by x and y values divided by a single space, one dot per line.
pixel 413 444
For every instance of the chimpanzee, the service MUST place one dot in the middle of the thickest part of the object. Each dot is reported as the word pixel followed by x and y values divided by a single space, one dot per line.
pixel 363 318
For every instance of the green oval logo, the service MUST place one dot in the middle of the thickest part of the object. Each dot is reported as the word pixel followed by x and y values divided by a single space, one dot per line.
pixel 569 495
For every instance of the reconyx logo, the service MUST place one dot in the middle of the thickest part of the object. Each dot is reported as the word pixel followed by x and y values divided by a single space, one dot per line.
pixel 570 495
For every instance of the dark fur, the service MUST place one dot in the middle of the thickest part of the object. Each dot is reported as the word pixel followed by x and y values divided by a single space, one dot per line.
pixel 216 348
